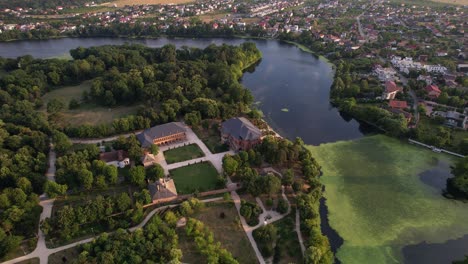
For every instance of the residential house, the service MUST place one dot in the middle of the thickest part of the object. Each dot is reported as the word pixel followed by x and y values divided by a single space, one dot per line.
pixel 240 134
pixel 408 116
pixel 396 104
pixel 391 90
pixel 426 78
pixel 162 134
pixel 117 158
pixel 454 118
pixel 433 91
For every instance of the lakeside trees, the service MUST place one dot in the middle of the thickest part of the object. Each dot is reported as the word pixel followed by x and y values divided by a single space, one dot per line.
pixel 458 184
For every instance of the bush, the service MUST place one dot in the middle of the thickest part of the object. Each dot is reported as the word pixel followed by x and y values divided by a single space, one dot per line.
pixel 250 212
pixel 282 207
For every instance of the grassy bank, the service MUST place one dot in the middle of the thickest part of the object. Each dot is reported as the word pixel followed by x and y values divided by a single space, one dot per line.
pixel 377 202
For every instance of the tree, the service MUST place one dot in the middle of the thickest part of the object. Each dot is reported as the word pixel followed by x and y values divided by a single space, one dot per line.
pixel 270 184
pixel 458 185
pixel 111 174
pixel 53 189
pixel 61 142
pixel 137 176
pixel 171 219
pixel 123 202
pixel 288 177
pixel 155 172
pixel 266 237
pixel 24 184
pixel 55 106
pixel 193 118
pixel 85 177
pixel 154 149
pixel 230 165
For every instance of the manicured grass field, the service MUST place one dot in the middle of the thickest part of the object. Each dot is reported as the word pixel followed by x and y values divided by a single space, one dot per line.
pixel 184 153
pixel 200 176
pixel 377 202
pixel 227 230
pixel 87 113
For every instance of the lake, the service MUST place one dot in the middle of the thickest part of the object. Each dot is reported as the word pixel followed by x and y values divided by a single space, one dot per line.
pixel 290 86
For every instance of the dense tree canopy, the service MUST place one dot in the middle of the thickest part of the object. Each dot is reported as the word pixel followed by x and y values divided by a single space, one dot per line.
pixel 458 184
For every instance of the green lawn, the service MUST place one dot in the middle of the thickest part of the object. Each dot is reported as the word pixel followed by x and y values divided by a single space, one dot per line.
pixel 200 176
pixel 184 153
pixel 377 202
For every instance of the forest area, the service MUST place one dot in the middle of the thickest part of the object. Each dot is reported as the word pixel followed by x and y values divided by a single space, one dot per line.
pixel 198 82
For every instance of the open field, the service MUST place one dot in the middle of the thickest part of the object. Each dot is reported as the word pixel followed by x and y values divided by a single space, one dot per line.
pixel 121 3
pixel 87 113
pixel 184 153
pixel 227 230
pixel 190 253
pixel 378 203
pixel 200 176
pixel 65 94
pixel 212 16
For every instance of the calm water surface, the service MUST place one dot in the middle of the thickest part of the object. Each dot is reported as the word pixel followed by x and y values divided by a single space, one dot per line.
pixel 286 78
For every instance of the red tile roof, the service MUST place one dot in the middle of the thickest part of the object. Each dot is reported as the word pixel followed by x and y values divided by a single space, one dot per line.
pixel 398 104
pixel 118 155
pixel 433 88
pixel 390 86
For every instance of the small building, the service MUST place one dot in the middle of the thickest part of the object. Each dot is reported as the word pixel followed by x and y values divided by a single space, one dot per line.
pixel 408 116
pixel 240 134
pixel 397 104
pixel 148 160
pixel 162 134
pixel 117 158
pixel 391 90
pixel 433 91
pixel 162 190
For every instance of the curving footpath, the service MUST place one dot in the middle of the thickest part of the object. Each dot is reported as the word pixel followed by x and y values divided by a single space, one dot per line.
pixel 275 216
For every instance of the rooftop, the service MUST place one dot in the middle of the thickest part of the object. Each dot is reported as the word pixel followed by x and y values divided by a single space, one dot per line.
pixel 241 128
pixel 147 136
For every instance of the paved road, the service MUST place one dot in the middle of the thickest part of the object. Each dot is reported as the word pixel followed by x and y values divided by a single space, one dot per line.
pixel 99 140
pixel 51 170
